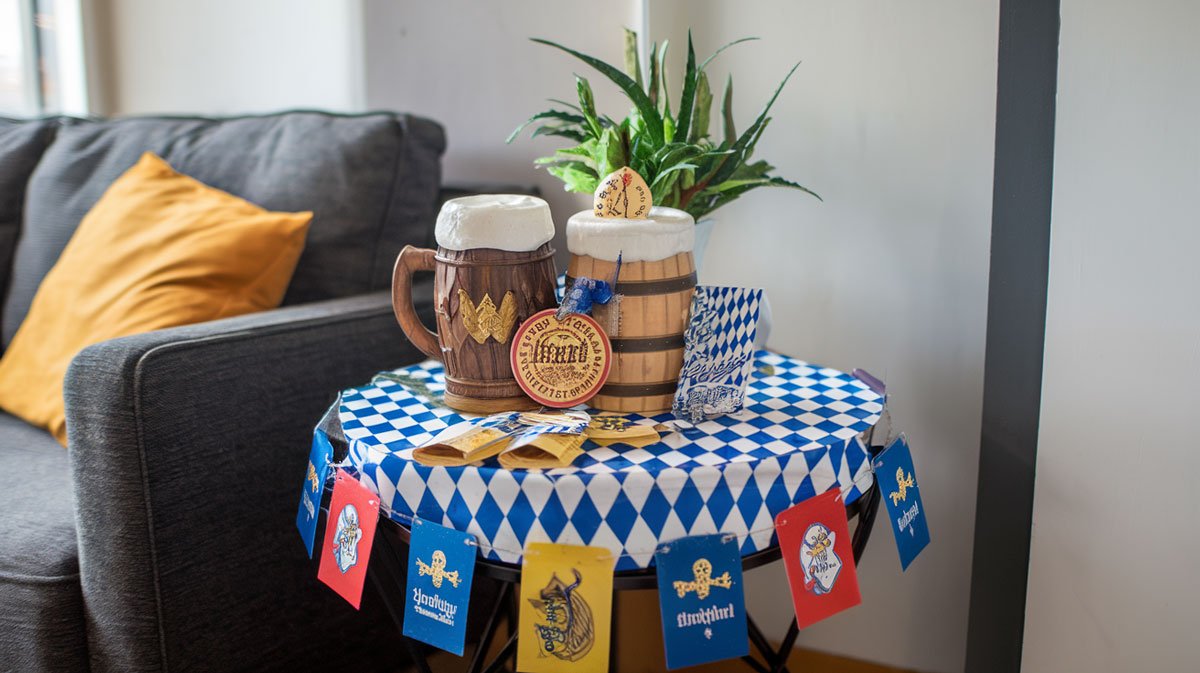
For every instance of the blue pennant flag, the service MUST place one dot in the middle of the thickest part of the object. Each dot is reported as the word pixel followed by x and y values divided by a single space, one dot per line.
pixel 314 487
pixel 441 564
pixel 902 496
pixel 702 599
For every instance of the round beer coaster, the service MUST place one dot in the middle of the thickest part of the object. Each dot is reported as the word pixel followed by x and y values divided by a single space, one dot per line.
pixel 560 363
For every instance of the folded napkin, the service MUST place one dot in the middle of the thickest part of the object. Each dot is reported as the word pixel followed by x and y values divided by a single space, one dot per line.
pixel 536 440
pixel 545 450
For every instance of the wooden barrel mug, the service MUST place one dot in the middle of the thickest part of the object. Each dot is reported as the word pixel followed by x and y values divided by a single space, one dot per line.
pixel 481 294
pixel 656 297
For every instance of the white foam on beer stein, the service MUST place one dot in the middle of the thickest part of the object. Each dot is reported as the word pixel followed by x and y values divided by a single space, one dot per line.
pixel 512 222
pixel 665 233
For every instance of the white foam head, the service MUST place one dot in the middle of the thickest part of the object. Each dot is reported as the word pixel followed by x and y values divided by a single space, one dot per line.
pixel 666 232
pixel 512 222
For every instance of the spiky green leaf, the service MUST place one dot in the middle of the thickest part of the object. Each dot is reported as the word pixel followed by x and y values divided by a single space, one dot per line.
pixel 727 112
pixel 633 65
pixel 704 101
pixel 780 182
pixel 723 48
pixel 548 114
pixel 642 102
pixel 664 98
pixel 730 164
pixel 652 85
pixel 560 131
pixel 668 171
pixel 687 99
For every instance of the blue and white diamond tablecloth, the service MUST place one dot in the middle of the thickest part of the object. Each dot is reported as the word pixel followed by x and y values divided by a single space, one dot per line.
pixel 798 436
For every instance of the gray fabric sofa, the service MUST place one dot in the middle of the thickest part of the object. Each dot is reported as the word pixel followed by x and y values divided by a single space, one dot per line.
pixel 163 538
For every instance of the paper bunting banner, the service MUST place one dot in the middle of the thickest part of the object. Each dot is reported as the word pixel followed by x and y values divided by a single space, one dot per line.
pixel 566 609
pixel 441 566
pixel 814 537
pixel 349 534
pixel 902 496
pixel 314 488
pixel 702 599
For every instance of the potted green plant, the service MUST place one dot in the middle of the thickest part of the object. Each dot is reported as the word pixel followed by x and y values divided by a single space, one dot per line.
pixel 669 146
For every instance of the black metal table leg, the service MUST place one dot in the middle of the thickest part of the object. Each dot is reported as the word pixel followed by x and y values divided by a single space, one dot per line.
pixel 514 621
pixel 510 650
pixel 612 637
pixel 489 631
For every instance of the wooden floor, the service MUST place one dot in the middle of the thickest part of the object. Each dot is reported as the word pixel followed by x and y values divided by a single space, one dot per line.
pixel 801 661
pixel 639 639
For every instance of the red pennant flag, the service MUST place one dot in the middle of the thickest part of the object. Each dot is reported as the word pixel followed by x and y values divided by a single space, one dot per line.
pixel 814 537
pixel 349 533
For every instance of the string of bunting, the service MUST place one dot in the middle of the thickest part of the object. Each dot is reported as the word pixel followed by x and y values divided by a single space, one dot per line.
pixel 566 590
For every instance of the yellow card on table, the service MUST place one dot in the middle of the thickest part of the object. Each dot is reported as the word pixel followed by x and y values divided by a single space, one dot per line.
pixel 566 609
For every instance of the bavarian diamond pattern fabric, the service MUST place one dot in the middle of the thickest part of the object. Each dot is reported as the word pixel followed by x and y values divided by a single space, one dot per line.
pixel 797 436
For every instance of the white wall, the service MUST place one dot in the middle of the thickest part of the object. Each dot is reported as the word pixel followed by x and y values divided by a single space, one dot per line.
pixel 1113 568
pixel 229 56
pixel 891 118
pixel 470 65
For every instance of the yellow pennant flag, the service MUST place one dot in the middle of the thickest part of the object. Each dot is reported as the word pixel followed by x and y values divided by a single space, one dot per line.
pixel 566 609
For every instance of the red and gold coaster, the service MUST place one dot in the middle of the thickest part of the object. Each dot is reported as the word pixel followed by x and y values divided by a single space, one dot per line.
pixel 560 363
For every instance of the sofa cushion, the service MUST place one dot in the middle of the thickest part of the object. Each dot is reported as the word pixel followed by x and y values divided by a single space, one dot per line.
pixel 371 181
pixel 158 250
pixel 21 146
pixel 41 603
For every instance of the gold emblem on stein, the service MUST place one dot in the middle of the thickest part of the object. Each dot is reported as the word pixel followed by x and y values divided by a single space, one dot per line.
pixel 483 320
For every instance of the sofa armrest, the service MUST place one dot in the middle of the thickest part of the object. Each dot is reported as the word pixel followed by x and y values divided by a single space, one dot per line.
pixel 187 450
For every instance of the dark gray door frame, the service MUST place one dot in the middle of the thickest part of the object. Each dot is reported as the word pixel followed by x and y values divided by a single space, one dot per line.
pixel 1026 84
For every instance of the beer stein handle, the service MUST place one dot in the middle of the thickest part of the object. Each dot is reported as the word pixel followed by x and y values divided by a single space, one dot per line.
pixel 410 261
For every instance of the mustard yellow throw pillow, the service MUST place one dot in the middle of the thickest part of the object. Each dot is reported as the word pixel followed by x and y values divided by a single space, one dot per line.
pixel 159 249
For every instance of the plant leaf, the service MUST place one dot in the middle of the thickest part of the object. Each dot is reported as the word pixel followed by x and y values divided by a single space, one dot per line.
pixel 704 101
pixel 662 191
pixel 642 102
pixel 574 179
pixel 727 112
pixel 582 152
pixel 587 104
pixel 754 141
pixel 687 99
pixel 610 152
pixel 548 114
pixel 734 184
pixel 723 48
pixel 633 65
pixel 730 163
pixel 672 169
pixel 758 169
pixel 665 98
pixel 560 131
pixel 780 182
pixel 652 88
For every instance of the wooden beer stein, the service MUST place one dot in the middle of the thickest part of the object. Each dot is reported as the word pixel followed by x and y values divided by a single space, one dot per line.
pixel 493 268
